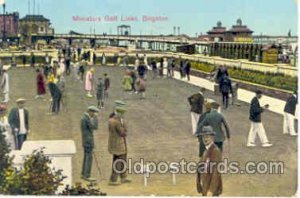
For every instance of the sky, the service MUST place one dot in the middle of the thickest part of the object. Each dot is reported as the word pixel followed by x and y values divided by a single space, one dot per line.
pixel 268 17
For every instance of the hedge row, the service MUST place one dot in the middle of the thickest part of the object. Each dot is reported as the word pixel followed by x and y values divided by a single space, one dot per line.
pixel 279 81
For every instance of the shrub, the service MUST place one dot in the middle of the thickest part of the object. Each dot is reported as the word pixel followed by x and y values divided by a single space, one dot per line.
pixel 279 81
pixel 35 178
pixel 5 160
pixel 78 189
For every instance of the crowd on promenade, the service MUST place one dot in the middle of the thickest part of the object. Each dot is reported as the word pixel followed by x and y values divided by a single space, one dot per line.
pixel 207 125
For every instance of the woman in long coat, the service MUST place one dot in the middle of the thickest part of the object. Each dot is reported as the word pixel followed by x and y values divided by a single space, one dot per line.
pixel 41 88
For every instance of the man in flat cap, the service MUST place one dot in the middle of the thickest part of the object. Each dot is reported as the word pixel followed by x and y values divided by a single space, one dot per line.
pixel 209 179
pixel 117 145
pixel 256 125
pixel 89 123
pixel 19 122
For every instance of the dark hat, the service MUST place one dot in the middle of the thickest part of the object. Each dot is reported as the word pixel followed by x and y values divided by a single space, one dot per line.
pixel 208 130
pixel 257 92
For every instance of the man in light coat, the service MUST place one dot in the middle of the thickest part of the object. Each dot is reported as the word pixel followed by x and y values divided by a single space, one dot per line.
pixel 117 144
pixel 209 179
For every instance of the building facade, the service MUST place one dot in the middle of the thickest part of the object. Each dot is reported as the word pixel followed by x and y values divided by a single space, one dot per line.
pixel 237 33
pixel 9 24
pixel 34 27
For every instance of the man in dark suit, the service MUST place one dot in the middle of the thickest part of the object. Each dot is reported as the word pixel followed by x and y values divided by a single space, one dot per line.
pixel 89 123
pixel 209 179
pixel 289 115
pixel 187 69
pixel 19 122
pixel 225 88
pixel 215 120
pixel 256 124
pixel 55 94
pixel 196 102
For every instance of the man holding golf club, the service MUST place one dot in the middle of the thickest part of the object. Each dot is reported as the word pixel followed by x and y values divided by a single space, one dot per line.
pixel 89 123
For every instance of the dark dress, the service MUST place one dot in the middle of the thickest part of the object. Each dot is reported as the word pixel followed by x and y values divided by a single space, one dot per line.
pixel 41 89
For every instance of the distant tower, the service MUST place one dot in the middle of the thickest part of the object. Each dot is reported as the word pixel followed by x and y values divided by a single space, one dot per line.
pixel 178 30
pixel 289 33
pixel 174 30
pixel 239 22
pixel 219 24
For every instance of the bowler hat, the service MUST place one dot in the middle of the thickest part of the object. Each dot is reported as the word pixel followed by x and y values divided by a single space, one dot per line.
pixel 208 130
pixel 258 92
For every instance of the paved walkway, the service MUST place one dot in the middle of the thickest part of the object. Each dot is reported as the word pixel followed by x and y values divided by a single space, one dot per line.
pixel 244 95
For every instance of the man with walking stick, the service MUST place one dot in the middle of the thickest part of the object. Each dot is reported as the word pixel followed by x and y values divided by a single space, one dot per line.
pixel 89 123
pixel 117 144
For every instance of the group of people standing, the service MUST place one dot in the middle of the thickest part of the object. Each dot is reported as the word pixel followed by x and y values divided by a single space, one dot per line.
pixel 15 127
pixel 208 128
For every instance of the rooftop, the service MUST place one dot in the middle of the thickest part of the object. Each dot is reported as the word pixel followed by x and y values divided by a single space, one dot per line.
pixel 34 18
pixel 240 28
pixel 218 29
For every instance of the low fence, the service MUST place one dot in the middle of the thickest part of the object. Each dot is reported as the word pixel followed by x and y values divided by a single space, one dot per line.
pixel 242 64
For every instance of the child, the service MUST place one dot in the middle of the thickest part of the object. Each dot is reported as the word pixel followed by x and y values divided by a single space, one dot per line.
pixel 100 93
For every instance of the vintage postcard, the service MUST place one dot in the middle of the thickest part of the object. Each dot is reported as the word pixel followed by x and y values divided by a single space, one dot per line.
pixel 149 98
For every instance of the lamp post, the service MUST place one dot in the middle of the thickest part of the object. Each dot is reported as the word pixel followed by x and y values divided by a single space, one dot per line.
pixel 4 21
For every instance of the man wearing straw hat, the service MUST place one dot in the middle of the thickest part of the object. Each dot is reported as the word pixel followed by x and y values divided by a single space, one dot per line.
pixel 19 122
pixel 117 144
pixel 89 123
pixel 209 179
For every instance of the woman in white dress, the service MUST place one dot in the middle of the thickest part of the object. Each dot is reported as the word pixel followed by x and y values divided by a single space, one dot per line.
pixel 165 66
pixel 6 129
pixel 103 59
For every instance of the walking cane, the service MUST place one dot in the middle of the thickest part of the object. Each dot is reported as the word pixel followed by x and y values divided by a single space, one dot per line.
pixel 229 149
pixel 97 164
pixel 16 140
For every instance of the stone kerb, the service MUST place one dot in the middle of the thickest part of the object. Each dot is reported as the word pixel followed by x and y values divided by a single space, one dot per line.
pixel 244 95
pixel 60 152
